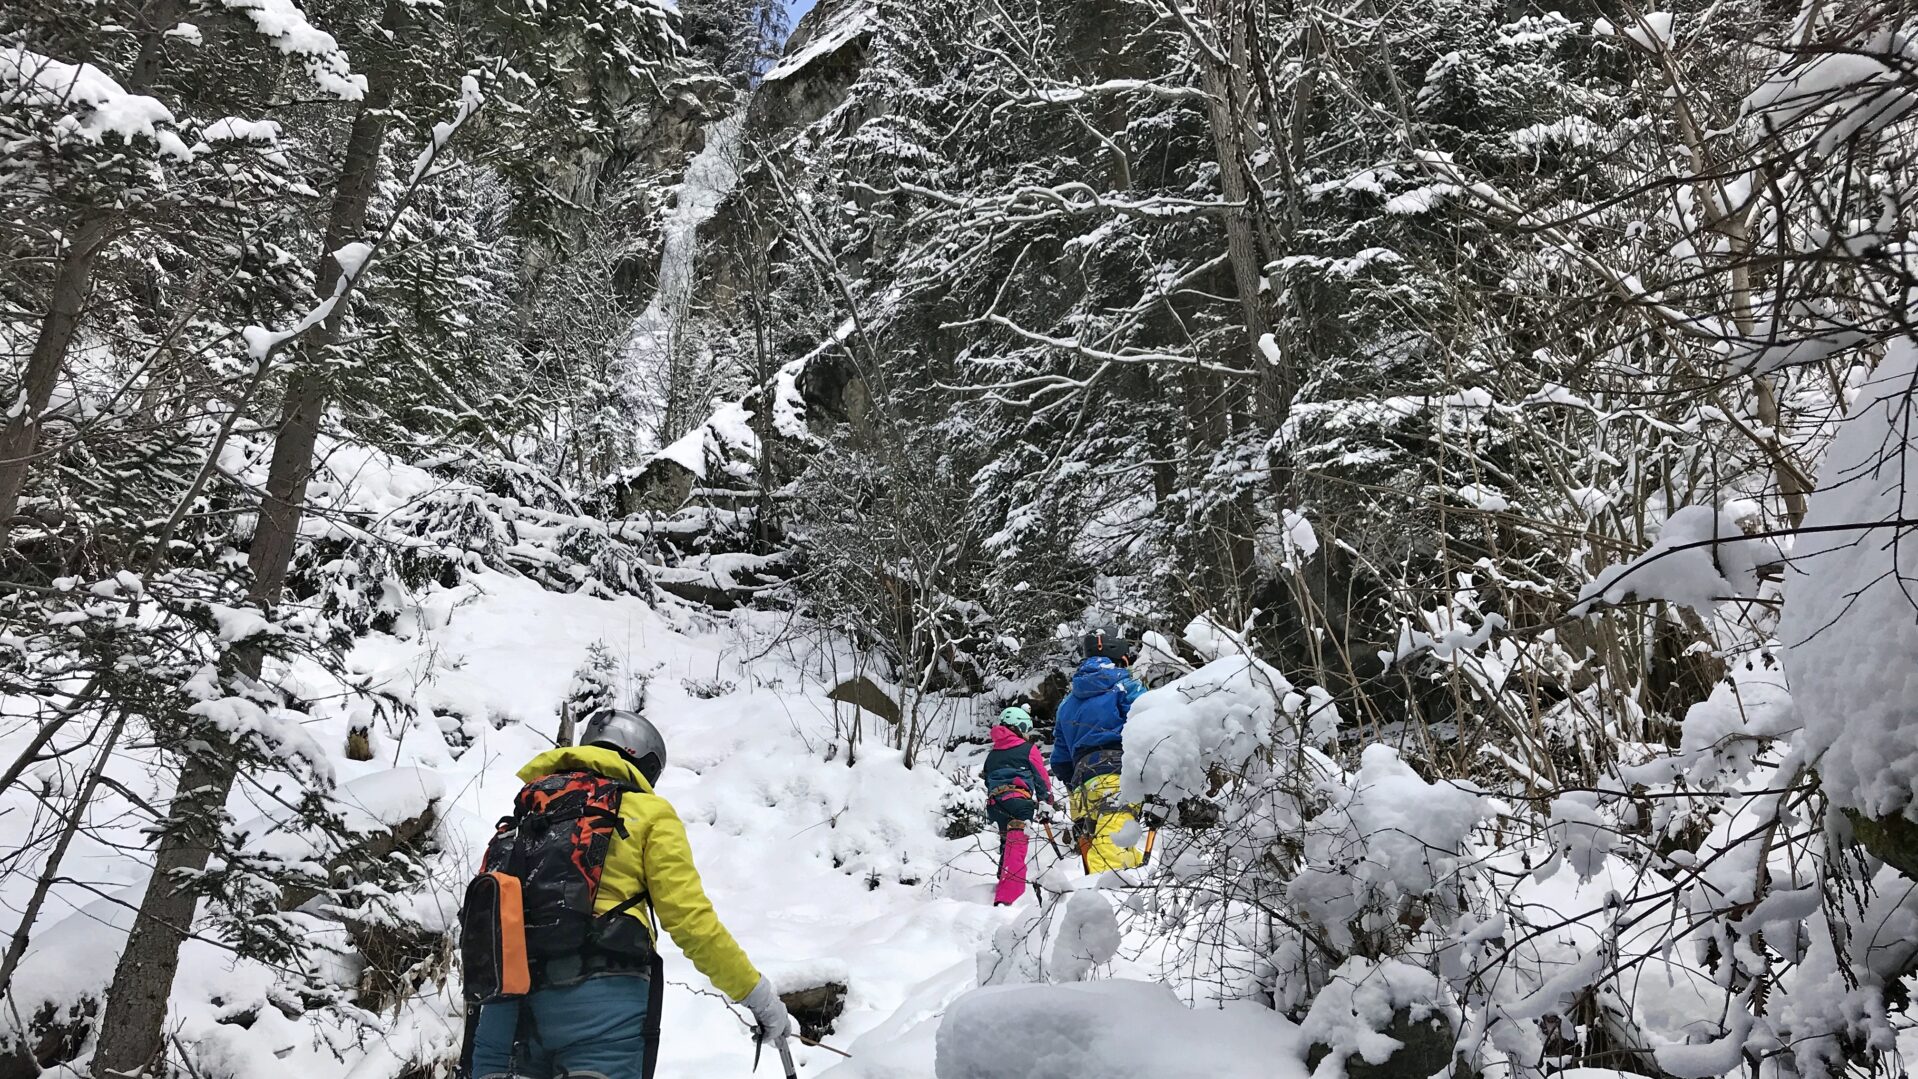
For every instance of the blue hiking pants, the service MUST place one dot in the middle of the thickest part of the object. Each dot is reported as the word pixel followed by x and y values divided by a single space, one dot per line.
pixel 593 1030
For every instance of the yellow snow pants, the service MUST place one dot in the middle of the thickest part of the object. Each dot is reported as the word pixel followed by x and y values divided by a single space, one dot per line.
pixel 1096 817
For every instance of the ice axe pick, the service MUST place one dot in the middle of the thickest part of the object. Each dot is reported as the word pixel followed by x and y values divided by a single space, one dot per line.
pixel 785 1057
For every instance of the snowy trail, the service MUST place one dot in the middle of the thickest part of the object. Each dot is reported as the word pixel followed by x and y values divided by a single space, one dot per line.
pixel 819 869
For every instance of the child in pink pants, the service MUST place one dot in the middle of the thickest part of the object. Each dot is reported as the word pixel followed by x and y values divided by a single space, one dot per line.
pixel 1016 782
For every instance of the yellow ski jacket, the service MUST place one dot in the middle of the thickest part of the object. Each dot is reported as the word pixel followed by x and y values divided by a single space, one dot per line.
pixel 655 859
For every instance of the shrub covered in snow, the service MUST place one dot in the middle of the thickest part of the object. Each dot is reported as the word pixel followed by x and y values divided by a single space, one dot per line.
pixel 1221 716
pixel 1065 941
pixel 1386 849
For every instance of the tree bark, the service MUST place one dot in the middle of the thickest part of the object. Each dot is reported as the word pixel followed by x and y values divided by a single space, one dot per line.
pixel 22 434
pixel 133 1026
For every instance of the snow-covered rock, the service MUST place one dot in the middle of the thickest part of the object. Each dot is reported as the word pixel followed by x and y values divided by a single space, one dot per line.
pixel 1375 1019
pixel 1113 1030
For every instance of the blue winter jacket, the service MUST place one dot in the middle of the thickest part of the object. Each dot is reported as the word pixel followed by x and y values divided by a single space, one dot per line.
pixel 1093 715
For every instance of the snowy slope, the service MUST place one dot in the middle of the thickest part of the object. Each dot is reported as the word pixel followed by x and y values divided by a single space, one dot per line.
pixel 818 867
pixel 807 860
pixel 830 864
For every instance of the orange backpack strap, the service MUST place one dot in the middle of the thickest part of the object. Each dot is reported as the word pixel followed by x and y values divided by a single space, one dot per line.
pixel 515 974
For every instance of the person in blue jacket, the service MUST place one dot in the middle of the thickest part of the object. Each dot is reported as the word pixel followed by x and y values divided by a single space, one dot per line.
pixel 1087 742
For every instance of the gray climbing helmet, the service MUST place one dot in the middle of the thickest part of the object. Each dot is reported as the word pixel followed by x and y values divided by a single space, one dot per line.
pixel 1109 641
pixel 633 735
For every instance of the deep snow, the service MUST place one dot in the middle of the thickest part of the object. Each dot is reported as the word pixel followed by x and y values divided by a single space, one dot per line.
pixel 819 868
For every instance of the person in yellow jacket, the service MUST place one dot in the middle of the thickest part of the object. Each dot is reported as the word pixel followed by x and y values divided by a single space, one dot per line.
pixel 1088 741
pixel 595 1016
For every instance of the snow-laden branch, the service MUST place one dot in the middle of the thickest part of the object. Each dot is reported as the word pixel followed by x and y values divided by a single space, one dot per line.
pixel 1702 583
pixel 1073 344
pixel 100 105
pixel 1854 89
pixel 1065 93
pixel 263 344
pixel 284 24
pixel 1628 286
pixel 470 100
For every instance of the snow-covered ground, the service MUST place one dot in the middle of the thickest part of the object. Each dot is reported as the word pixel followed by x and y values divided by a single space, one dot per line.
pixel 835 865
pixel 825 865
pixel 819 868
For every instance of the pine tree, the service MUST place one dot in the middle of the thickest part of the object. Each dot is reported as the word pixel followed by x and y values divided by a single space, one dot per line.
pixel 595 689
pixel 571 73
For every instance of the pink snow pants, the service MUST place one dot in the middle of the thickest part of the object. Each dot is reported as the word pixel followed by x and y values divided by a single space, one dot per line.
pixel 1012 863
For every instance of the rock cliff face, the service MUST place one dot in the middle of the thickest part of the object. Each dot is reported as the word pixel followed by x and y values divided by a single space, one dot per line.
pixel 700 474
pixel 826 53
pixel 678 130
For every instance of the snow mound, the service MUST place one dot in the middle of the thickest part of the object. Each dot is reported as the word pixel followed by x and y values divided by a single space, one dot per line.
pixel 1111 1029
pixel 1851 621
pixel 1088 936
pixel 1060 942
pixel 1582 833
pixel 1221 714
pixel 1351 1014
pixel 1723 732
pixel 1387 835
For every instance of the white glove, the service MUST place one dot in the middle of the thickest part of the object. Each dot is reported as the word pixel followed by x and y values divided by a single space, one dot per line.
pixel 768 1011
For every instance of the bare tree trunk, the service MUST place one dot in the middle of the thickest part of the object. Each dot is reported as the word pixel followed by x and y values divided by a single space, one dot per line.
pixel 1228 101
pixel 1217 557
pixel 1224 70
pixel 22 434
pixel 132 1025
pixel 764 375
pixel 67 299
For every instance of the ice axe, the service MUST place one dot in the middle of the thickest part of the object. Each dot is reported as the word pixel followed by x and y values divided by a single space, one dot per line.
pixel 1056 852
pixel 785 1057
